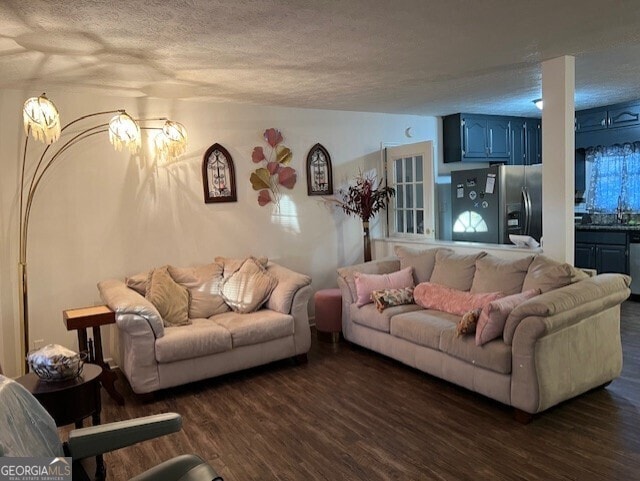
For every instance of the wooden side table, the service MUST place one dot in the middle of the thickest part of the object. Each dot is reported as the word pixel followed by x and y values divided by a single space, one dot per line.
pixel 70 401
pixel 81 319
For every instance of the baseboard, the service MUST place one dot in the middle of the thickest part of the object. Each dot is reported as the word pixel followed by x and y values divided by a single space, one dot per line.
pixel 634 297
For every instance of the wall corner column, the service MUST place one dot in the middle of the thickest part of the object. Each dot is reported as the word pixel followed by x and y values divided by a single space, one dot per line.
pixel 558 154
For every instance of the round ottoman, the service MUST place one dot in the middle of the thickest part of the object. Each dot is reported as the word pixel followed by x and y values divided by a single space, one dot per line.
pixel 328 306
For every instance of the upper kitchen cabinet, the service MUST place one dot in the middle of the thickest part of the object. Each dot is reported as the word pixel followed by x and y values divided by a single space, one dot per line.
pixel 609 125
pixel 533 141
pixel 476 138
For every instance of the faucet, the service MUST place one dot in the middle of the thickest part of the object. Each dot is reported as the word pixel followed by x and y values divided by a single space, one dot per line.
pixel 620 211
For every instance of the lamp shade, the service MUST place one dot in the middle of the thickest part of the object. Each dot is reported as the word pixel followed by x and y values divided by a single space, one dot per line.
pixel 124 132
pixel 42 118
pixel 171 141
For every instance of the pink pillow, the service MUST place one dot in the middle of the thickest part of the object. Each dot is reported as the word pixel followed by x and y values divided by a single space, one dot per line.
pixel 494 315
pixel 367 283
pixel 453 301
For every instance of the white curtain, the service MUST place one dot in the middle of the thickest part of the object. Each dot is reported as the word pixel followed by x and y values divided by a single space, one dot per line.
pixel 615 178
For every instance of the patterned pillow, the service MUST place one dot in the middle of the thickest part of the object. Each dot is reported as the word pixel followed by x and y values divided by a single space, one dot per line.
pixel 468 322
pixel 392 297
pixel 248 288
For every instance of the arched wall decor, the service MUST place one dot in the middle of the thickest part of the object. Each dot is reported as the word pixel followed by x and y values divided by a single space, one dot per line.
pixel 319 172
pixel 218 175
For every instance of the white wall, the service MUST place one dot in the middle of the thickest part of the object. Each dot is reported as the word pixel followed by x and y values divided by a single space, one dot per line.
pixel 102 214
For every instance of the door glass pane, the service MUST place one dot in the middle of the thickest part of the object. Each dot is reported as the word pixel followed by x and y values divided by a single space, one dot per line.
pixel 419 222
pixel 410 221
pixel 400 197
pixel 398 166
pixel 419 168
pixel 409 196
pixel 400 220
pixel 408 169
pixel 419 196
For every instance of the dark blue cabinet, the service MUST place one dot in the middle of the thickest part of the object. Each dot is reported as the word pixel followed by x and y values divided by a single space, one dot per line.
pixel 526 141
pixel 533 141
pixel 476 138
pixel 591 120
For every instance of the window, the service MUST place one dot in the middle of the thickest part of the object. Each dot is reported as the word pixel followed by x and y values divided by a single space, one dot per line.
pixel 409 183
pixel 410 172
pixel 615 178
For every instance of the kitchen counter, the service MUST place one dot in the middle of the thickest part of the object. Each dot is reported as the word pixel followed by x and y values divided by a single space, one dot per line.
pixel 607 227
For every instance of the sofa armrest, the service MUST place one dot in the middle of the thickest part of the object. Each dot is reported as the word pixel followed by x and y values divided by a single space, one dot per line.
pixel 379 266
pixel 123 301
pixel 289 282
pixel 568 342
pixel 300 313
pixel 567 305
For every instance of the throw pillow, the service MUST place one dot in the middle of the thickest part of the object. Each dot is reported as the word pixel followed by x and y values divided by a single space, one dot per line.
pixel 231 265
pixel 170 298
pixel 392 297
pixel 422 261
pixel 455 270
pixel 441 298
pixel 367 283
pixel 249 287
pixel 495 314
pixel 138 282
pixel 468 322
pixel 504 275
pixel 204 283
pixel 546 274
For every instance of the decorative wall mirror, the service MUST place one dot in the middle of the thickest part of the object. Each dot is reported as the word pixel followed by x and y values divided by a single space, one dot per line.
pixel 218 175
pixel 319 174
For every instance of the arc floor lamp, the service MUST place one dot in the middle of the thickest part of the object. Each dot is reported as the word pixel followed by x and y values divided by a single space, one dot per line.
pixel 42 122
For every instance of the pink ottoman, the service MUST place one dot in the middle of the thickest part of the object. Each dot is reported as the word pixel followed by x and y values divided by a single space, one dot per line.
pixel 328 306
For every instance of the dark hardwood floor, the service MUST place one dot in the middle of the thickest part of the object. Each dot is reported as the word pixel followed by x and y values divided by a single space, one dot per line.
pixel 351 414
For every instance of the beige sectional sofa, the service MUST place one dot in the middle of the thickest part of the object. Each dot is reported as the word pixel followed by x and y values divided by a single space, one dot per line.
pixel 555 346
pixel 155 356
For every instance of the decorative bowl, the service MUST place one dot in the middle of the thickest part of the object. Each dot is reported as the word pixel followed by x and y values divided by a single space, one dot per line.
pixel 56 363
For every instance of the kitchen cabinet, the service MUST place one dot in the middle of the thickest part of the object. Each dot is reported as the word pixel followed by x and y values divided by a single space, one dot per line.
pixel 533 141
pixel 526 141
pixel 603 251
pixel 476 138
pixel 611 117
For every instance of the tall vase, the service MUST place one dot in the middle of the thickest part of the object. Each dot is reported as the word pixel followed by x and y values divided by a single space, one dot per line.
pixel 367 241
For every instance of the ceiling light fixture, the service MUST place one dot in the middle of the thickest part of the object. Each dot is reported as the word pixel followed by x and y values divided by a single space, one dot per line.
pixel 538 103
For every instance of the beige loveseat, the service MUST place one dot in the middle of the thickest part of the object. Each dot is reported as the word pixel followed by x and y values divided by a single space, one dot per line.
pixel 555 346
pixel 154 356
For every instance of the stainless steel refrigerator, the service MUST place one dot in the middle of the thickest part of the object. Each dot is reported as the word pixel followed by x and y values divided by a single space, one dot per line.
pixel 489 204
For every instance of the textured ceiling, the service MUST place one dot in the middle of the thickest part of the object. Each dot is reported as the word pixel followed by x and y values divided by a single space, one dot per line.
pixel 429 57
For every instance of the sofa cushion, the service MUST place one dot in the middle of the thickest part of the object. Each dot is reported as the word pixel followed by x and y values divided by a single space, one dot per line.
pixel 546 274
pixel 453 301
pixel 455 270
pixel 202 338
pixel 249 287
pixel 494 315
pixel 255 327
pixel 423 327
pixel 369 316
pixel 495 355
pixel 204 283
pixel 504 275
pixel 170 298
pixel 422 261
pixel 367 283
pixel 138 282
